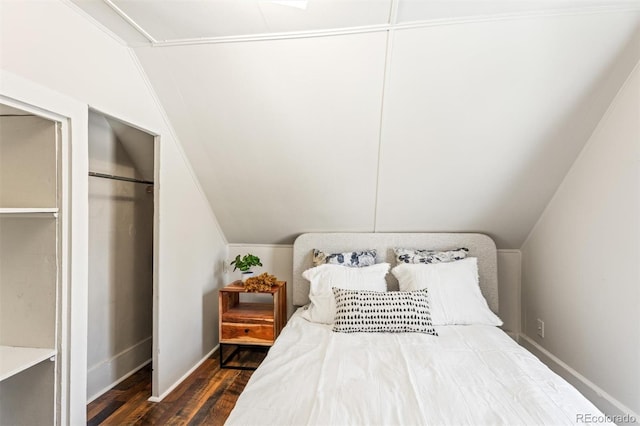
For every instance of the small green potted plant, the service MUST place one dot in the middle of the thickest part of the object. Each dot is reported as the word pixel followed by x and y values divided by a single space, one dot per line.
pixel 245 263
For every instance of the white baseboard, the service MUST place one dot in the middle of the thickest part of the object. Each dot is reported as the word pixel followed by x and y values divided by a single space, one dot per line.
pixel 601 399
pixel 106 374
pixel 181 379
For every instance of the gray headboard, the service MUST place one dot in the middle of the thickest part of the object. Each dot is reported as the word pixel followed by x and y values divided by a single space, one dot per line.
pixel 479 245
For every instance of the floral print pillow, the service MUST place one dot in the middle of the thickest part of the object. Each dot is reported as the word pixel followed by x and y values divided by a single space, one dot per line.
pixel 404 255
pixel 353 259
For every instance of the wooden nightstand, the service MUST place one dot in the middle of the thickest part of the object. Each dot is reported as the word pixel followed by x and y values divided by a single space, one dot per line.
pixel 250 324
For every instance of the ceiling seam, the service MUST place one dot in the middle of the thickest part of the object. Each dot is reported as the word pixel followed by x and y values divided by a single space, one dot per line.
pixel 386 27
pixel 393 13
pixel 131 21
pixel 275 36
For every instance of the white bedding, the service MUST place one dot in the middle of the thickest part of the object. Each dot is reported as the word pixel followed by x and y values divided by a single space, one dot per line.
pixel 471 375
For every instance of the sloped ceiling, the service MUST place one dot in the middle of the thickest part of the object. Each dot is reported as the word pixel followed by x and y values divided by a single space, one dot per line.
pixel 460 118
pixel 135 147
pixel 137 144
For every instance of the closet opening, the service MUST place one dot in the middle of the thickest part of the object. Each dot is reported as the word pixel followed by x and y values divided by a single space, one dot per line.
pixel 122 253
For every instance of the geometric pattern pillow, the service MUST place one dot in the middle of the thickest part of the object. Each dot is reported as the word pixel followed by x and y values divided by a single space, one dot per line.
pixel 354 259
pixel 404 255
pixel 375 312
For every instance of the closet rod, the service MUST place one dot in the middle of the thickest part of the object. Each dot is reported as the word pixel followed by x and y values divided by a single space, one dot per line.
pixel 126 179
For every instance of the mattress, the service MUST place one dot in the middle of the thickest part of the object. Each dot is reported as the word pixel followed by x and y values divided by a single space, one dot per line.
pixel 471 375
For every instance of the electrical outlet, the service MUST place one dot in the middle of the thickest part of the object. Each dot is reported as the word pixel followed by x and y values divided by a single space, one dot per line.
pixel 225 266
pixel 540 328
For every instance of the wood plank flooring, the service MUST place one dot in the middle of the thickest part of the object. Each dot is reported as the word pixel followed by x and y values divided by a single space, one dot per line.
pixel 206 397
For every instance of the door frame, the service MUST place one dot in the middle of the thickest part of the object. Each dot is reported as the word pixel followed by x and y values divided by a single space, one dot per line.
pixel 63 368
pixel 155 337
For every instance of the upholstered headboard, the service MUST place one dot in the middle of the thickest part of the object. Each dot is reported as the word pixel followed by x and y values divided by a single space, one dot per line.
pixel 479 245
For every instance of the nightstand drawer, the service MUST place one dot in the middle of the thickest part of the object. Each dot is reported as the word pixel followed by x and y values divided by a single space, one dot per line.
pixel 247 333
pixel 246 323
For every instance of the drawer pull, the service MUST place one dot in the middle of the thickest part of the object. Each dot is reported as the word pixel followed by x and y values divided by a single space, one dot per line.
pixel 246 331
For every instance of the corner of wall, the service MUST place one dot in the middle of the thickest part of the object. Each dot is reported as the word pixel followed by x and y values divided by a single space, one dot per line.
pixel 165 117
pixel 557 288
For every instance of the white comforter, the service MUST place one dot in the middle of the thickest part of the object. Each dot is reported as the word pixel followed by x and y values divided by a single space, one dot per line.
pixel 469 375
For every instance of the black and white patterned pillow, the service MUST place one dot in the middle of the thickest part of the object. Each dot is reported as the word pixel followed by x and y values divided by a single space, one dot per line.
pixel 354 259
pixel 375 311
pixel 404 255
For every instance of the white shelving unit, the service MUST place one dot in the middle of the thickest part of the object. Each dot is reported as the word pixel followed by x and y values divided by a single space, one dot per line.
pixel 32 212
pixel 29 270
pixel 14 360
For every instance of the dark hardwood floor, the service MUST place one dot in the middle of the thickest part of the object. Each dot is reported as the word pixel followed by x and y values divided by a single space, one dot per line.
pixel 206 397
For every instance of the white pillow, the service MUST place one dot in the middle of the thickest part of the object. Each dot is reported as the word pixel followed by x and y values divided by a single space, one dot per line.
pixel 324 277
pixel 454 291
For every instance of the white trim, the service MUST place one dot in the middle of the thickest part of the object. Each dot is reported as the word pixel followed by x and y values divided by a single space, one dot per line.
pixel 393 12
pixel 31 110
pixel 581 154
pixel 260 245
pixel 513 251
pixel 275 36
pixel 120 380
pixel 130 21
pixel 156 238
pixel 386 78
pixel 155 302
pixel 119 354
pixel 583 10
pixel 29 96
pixel 63 390
pixel 183 378
pixel 600 398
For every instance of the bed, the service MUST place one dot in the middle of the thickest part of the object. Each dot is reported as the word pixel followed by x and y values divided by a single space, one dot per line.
pixel 467 374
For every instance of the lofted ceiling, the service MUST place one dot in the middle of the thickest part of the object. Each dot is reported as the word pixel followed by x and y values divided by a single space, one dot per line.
pixel 326 115
pixel 166 22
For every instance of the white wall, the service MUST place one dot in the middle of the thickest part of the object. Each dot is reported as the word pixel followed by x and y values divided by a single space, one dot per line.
pixel 120 261
pixel 452 126
pixel 288 128
pixel 278 260
pixel 48 43
pixel 482 120
pixel 509 287
pixel 581 269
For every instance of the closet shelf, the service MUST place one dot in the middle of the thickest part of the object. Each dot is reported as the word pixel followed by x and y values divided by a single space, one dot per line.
pixel 29 212
pixel 15 359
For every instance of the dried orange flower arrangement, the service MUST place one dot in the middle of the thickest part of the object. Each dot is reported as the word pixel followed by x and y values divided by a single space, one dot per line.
pixel 263 282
